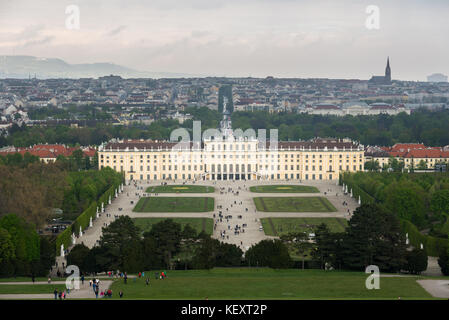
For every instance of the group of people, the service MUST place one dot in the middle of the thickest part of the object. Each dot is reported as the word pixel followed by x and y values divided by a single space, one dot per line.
pixel 61 294
pixel 220 219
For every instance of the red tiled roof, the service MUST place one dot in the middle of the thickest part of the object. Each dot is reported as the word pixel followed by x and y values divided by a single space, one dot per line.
pixel 427 153
pixel 50 151
pixel 406 146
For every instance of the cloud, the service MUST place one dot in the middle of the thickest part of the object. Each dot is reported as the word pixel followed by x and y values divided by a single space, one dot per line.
pixel 37 41
pixel 320 38
pixel 116 31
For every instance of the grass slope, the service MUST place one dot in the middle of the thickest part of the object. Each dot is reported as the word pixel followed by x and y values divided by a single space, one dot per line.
pixel 30 288
pixel 263 283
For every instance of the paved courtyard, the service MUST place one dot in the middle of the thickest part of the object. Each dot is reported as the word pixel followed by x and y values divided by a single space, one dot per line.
pixel 231 198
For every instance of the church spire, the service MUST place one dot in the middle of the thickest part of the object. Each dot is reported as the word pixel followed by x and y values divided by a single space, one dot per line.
pixel 388 70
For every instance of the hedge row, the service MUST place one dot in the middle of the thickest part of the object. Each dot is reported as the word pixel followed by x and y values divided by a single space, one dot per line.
pixel 432 245
pixel 346 178
pixel 84 218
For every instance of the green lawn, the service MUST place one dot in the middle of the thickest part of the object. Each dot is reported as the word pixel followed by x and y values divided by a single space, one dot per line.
pixel 175 204
pixel 294 204
pixel 30 288
pixel 287 225
pixel 24 279
pixel 264 283
pixel 199 224
pixel 180 189
pixel 284 189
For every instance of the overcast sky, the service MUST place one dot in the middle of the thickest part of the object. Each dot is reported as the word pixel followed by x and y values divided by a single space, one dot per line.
pixel 282 38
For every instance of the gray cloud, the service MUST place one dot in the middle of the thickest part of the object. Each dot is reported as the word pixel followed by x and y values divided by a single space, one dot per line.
pixel 320 38
pixel 115 31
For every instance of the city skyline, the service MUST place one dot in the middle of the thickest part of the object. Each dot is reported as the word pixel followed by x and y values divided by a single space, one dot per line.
pixel 294 39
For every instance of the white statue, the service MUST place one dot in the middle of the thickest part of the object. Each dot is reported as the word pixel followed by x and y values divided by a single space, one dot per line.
pixel 360 201
pixel 81 232
pixel 73 238
pixel 109 199
pixel 62 250
pixel 90 222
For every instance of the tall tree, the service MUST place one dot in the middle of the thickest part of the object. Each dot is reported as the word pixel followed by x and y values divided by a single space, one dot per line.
pixel 374 237
pixel 167 235
pixel 117 239
pixel 269 253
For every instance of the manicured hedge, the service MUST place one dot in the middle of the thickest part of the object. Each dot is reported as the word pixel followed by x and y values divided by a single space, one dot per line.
pixel 64 238
pixel 432 245
pixel 84 218
pixel 346 178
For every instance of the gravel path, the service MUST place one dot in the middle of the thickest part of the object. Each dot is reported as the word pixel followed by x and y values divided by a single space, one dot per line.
pixel 85 291
pixel 437 288
pixel 231 204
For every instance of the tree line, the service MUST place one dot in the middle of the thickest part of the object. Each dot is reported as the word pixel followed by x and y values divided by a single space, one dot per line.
pixel 22 251
pixel 428 127
pixel 123 247
pixel 372 237
pixel 32 189
pixel 421 198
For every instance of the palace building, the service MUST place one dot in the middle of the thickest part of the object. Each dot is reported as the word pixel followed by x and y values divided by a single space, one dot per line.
pixel 230 156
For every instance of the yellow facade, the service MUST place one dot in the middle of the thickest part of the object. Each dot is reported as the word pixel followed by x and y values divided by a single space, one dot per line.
pixel 232 160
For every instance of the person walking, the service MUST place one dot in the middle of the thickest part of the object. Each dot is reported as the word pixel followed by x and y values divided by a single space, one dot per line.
pixel 55 292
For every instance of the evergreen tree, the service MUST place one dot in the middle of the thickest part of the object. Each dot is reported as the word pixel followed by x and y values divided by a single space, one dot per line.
pixel 374 237
pixel 416 261
pixel 269 253
pixel 443 261
pixel 167 235
pixel 117 239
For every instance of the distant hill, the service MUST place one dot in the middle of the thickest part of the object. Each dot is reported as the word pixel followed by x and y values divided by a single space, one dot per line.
pixel 44 68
